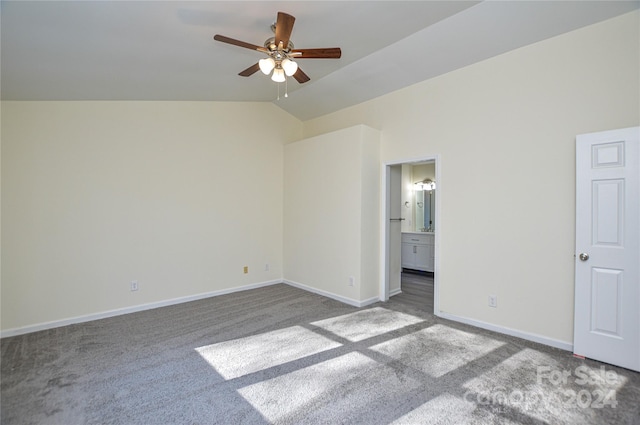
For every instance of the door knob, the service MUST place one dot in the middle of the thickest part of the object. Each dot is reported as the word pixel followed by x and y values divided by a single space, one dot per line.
pixel 583 256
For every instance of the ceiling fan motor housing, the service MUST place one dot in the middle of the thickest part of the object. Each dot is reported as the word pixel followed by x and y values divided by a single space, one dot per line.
pixel 270 44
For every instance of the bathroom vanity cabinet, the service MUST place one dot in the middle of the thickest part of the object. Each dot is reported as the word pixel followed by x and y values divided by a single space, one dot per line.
pixel 418 251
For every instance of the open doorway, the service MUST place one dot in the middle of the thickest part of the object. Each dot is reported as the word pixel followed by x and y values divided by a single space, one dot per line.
pixel 410 233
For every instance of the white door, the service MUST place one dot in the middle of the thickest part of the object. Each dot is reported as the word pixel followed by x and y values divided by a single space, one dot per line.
pixel 607 286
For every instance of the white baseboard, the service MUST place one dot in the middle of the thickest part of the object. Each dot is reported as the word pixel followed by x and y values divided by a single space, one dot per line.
pixel 508 331
pixel 395 292
pixel 127 310
pixel 331 295
pixel 117 312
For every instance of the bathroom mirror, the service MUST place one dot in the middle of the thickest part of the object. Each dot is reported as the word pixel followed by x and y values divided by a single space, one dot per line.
pixel 425 210
pixel 421 192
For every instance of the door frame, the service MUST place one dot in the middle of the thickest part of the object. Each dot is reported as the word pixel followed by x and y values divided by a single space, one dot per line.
pixel 385 226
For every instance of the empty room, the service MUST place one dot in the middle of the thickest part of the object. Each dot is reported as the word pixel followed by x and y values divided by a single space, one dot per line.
pixel 305 212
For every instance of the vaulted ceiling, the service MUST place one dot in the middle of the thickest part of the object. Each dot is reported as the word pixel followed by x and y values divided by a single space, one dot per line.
pixel 164 50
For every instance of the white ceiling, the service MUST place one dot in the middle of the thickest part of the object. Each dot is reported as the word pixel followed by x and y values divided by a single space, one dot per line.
pixel 164 50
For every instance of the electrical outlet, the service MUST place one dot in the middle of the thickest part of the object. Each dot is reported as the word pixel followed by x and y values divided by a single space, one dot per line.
pixel 493 301
pixel 352 280
pixel 246 269
pixel 134 285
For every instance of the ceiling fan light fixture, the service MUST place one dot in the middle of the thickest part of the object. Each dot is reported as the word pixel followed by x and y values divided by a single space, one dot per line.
pixel 278 75
pixel 281 52
pixel 266 65
pixel 290 67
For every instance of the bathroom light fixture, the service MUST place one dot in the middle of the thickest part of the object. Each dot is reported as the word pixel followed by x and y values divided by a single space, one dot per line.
pixel 426 184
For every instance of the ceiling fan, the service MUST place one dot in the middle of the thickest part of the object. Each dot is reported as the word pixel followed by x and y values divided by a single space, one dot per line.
pixel 281 52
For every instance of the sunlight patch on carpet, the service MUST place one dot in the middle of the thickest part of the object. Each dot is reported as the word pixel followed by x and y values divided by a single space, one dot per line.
pixel 444 409
pixel 340 390
pixel 450 349
pixel 242 356
pixel 367 323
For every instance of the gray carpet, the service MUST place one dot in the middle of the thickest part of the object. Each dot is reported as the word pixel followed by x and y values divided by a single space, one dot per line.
pixel 282 355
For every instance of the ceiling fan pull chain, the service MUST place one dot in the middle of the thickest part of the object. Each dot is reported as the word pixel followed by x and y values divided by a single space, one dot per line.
pixel 286 87
pixel 278 91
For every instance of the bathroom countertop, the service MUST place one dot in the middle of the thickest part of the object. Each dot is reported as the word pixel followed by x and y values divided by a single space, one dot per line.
pixel 420 233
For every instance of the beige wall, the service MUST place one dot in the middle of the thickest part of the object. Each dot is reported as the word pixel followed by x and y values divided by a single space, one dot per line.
pixel 177 195
pixel 331 213
pixel 370 215
pixel 423 171
pixel 505 130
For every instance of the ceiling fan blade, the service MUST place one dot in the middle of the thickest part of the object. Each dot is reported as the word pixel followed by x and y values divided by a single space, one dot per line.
pixel 325 53
pixel 284 26
pixel 300 76
pixel 250 71
pixel 239 43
